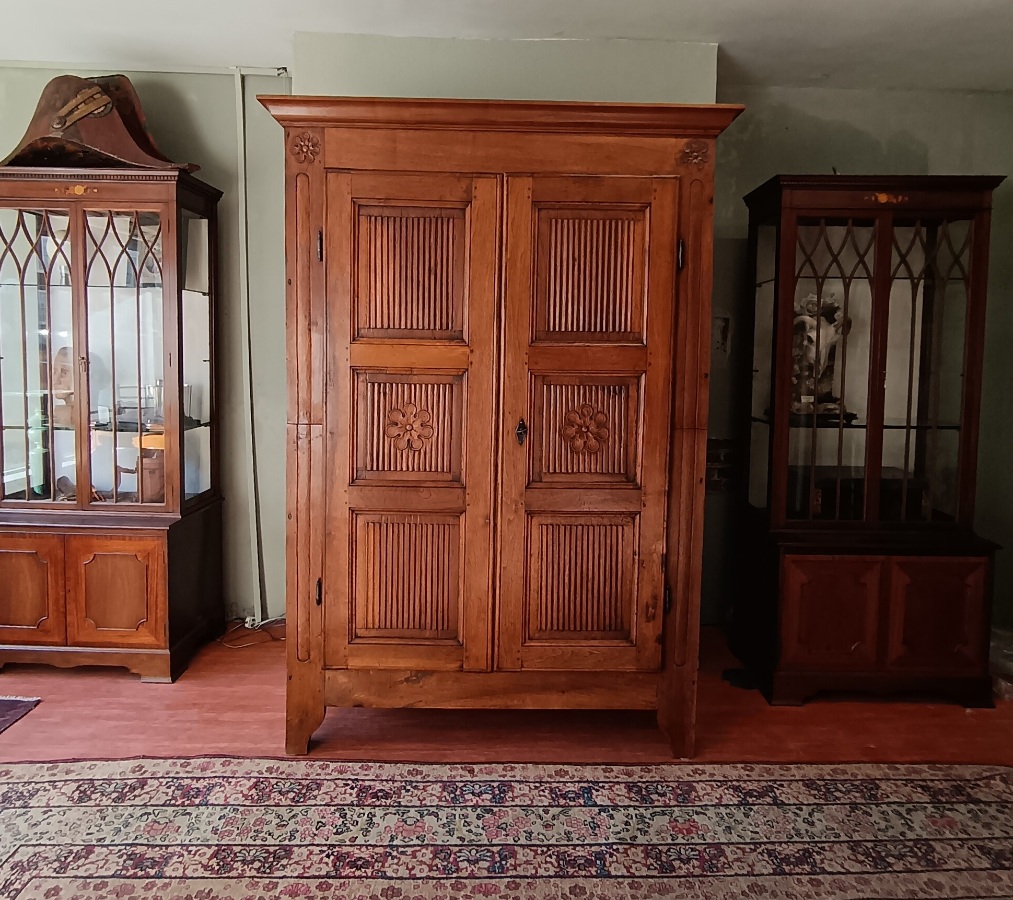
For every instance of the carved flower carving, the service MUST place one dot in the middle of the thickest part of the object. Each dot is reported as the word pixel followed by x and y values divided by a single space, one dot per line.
pixel 409 428
pixel 695 153
pixel 305 147
pixel 585 430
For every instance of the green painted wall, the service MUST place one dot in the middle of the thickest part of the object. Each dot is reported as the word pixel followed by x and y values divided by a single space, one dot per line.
pixel 630 71
pixel 193 119
pixel 787 130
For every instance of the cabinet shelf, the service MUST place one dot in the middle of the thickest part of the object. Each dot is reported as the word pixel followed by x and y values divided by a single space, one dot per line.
pixel 800 423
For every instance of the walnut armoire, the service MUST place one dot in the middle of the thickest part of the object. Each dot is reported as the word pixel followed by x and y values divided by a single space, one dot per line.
pixel 498 334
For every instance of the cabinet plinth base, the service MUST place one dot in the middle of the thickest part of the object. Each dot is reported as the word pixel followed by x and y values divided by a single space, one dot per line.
pixel 417 689
pixel 151 665
pixel 795 688
pixel 154 666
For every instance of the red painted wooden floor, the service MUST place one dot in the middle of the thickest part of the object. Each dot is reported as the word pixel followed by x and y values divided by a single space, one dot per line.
pixel 231 701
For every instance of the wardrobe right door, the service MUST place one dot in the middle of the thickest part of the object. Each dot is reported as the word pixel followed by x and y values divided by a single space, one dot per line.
pixel 587 368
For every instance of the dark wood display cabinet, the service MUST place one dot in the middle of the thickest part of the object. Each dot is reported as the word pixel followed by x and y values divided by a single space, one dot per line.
pixel 860 567
pixel 110 513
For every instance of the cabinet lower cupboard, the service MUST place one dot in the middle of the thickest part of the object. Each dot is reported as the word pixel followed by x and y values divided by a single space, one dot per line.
pixel 907 622
pixel 103 597
pixel 498 333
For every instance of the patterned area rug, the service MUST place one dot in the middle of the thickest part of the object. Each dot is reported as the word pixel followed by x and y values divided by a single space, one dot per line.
pixel 203 829
pixel 14 708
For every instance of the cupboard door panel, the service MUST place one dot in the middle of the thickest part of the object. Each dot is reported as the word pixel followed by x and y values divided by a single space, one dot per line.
pixel 31 589
pixel 937 614
pixel 830 612
pixel 412 291
pixel 590 284
pixel 115 591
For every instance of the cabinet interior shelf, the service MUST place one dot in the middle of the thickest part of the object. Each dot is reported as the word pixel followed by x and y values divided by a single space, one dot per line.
pixel 862 426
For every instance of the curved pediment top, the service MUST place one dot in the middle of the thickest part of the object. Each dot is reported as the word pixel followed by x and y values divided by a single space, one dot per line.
pixel 88 122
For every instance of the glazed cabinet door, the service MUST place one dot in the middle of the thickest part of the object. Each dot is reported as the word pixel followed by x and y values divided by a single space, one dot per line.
pixel 31 589
pixel 116 591
pixel 587 372
pixel 937 614
pixel 411 300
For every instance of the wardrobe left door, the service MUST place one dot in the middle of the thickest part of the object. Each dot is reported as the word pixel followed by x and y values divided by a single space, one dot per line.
pixel 412 275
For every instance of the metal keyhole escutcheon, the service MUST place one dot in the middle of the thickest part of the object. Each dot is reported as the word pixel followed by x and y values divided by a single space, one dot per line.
pixel 522 431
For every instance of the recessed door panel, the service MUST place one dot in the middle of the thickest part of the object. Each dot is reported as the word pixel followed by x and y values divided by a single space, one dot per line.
pixel 408 427
pixel 937 608
pixel 411 305
pixel 31 589
pixel 587 429
pixel 589 300
pixel 831 612
pixel 115 587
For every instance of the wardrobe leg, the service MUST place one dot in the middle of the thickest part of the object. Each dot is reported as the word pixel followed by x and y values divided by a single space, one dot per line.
pixel 304 713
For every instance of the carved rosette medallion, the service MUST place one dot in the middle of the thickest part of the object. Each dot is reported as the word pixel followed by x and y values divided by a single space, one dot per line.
pixel 695 154
pixel 305 147
pixel 409 427
pixel 585 429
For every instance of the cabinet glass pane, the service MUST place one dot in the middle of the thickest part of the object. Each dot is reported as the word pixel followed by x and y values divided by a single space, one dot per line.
pixel 123 276
pixel 924 370
pixel 196 314
pixel 37 359
pixel 763 354
pixel 830 354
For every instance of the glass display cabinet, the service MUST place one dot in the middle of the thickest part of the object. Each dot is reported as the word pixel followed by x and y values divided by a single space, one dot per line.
pixel 869 305
pixel 110 511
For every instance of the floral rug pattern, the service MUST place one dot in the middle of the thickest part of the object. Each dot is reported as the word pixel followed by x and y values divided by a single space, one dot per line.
pixel 247 829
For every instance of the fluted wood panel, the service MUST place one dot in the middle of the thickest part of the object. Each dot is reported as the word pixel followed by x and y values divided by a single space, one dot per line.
pixel 581 576
pixel 409 425
pixel 586 429
pixel 408 576
pixel 592 275
pixel 411 271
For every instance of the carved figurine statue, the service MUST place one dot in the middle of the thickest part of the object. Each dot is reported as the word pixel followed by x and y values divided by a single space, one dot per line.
pixel 819 328
pixel 63 388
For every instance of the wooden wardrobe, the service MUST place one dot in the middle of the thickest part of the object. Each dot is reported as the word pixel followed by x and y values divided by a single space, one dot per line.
pixel 498 334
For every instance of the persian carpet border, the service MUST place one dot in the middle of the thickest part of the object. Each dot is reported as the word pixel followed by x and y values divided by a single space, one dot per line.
pixel 211 827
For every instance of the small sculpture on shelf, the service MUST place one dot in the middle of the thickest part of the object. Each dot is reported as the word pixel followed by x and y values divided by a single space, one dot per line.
pixel 63 388
pixel 820 326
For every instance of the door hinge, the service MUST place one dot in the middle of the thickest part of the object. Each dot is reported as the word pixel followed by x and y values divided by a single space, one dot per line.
pixel 320 245
pixel 668 600
pixel 680 254
pixel 320 592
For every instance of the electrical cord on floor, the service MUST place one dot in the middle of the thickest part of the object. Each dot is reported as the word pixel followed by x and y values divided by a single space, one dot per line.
pixel 261 628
